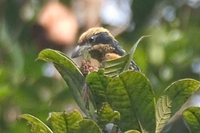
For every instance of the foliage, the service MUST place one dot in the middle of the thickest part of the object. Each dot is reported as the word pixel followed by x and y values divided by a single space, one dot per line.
pixel 192 118
pixel 119 102
pixel 171 53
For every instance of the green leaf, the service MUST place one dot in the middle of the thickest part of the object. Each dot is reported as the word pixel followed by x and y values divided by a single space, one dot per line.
pixel 72 122
pixel 88 126
pixel 97 83
pixel 107 115
pixel 163 112
pixel 37 126
pixel 5 91
pixel 180 91
pixel 63 122
pixel 173 99
pixel 69 71
pixel 116 66
pixel 57 122
pixel 132 51
pixel 131 94
pixel 192 117
pixel 132 131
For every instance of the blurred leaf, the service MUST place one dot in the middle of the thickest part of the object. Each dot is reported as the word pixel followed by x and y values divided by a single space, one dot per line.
pixel 14 52
pixel 192 117
pixel 5 91
pixel 131 94
pixel 37 126
pixel 69 71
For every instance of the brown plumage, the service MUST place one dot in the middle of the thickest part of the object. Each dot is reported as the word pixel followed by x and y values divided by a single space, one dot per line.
pixel 97 45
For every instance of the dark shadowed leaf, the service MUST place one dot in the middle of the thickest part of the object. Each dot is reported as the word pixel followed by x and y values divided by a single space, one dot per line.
pixel 97 83
pixel 88 126
pixel 69 71
pixel 131 94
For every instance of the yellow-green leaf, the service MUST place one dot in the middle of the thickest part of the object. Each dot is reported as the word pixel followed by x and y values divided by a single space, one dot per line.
pixel 37 126
pixel 63 122
pixel 107 115
pixel 192 118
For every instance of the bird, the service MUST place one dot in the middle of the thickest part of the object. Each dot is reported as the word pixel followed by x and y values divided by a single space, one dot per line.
pixel 97 45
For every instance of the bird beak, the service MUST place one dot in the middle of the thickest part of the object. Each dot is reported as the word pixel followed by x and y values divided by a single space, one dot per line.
pixel 76 52
pixel 79 50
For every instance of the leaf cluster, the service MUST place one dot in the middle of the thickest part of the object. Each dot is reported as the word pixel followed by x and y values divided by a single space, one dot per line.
pixel 121 100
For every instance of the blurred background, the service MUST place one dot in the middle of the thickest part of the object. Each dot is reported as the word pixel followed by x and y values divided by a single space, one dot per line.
pixel 28 26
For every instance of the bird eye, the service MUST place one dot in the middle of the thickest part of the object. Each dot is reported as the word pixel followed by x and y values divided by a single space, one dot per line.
pixel 91 39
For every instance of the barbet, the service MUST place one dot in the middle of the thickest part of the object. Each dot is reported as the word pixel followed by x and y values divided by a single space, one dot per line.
pixel 97 45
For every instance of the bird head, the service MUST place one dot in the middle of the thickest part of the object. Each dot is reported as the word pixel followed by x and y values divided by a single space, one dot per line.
pixel 97 42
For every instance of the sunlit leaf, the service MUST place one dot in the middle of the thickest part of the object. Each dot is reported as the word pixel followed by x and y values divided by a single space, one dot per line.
pixel 163 112
pixel 72 122
pixel 63 122
pixel 180 91
pixel 107 115
pixel 173 99
pixel 192 118
pixel 132 131
pixel 37 126
pixel 58 122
